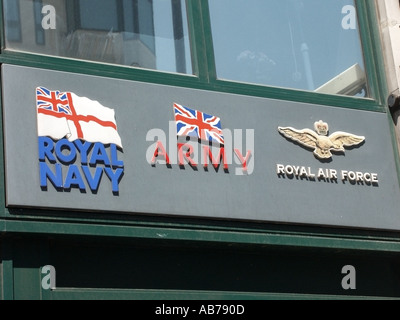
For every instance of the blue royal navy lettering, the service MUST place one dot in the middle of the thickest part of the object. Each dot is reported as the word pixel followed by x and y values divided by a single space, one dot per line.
pixel 78 164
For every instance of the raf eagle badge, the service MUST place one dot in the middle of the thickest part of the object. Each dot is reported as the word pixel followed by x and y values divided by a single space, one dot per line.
pixel 320 141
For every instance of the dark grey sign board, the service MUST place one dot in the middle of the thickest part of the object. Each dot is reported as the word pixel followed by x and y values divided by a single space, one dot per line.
pixel 278 162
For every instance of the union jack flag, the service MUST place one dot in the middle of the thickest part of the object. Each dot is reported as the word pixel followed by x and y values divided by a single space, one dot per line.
pixel 193 123
pixel 55 101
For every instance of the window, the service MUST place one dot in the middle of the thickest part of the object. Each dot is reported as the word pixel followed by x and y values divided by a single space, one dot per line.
pixel 305 45
pixel 150 34
pixel 301 44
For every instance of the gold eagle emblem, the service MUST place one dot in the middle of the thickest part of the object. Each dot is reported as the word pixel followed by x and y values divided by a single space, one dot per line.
pixel 320 141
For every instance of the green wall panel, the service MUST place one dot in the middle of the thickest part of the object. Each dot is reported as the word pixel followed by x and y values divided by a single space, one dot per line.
pixel 96 268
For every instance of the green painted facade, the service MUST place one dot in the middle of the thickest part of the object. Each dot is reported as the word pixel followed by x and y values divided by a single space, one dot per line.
pixel 115 256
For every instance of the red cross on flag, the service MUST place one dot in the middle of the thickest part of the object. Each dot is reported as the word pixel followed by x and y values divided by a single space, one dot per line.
pixel 64 114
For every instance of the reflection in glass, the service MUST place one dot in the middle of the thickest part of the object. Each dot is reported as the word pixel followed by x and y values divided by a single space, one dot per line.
pixel 149 34
pixel 13 22
pixel 301 44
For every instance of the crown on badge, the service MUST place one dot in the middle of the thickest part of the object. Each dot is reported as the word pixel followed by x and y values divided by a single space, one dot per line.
pixel 321 128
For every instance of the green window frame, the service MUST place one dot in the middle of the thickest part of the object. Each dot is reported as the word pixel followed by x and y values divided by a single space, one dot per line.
pixel 205 78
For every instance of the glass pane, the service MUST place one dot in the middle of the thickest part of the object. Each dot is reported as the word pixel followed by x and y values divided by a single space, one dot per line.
pixel 150 34
pixel 13 23
pixel 301 44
